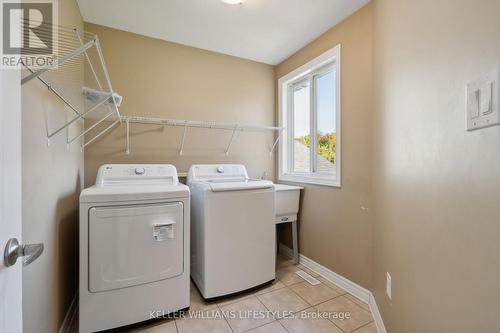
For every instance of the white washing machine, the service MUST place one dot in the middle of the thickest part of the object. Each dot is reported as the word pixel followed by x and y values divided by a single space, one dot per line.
pixel 232 230
pixel 134 246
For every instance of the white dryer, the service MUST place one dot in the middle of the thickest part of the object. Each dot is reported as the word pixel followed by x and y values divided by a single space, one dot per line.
pixel 233 235
pixel 134 246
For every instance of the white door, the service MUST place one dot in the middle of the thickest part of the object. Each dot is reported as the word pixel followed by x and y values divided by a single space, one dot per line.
pixel 10 199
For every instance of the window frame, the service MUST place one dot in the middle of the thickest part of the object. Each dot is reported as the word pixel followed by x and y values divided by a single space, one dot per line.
pixel 318 66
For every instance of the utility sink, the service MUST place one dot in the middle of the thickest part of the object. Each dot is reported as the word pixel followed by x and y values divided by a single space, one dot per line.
pixel 286 200
pixel 286 207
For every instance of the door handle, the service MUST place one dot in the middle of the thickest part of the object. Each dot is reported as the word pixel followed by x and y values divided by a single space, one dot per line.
pixel 14 250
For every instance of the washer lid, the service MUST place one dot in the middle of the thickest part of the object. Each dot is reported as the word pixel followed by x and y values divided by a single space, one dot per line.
pixel 225 177
pixel 239 185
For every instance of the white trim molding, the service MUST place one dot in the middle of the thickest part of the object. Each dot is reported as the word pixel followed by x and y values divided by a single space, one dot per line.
pixel 351 287
pixel 69 318
pixel 377 318
pixel 344 283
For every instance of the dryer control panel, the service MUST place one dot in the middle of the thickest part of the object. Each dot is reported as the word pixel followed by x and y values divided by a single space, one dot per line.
pixel 140 174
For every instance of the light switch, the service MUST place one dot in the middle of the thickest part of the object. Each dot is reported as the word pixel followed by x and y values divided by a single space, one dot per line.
pixel 473 101
pixel 483 101
pixel 486 96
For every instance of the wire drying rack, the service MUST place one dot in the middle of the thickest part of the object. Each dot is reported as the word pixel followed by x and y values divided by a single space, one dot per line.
pixel 79 67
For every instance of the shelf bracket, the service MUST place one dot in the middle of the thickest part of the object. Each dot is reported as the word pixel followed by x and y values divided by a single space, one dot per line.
pixel 271 151
pixel 231 140
pixel 127 143
pixel 181 150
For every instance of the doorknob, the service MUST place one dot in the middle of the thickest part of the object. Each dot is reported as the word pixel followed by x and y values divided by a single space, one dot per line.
pixel 14 250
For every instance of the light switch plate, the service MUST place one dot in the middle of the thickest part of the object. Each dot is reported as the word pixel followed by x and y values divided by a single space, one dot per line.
pixel 483 101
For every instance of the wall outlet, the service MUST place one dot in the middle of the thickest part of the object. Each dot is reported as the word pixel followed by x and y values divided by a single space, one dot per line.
pixel 388 286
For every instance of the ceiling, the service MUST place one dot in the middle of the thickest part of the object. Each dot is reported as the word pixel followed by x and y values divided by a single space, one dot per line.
pixel 267 31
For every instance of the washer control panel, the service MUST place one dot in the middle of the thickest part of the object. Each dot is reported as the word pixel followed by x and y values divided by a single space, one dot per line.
pixel 209 172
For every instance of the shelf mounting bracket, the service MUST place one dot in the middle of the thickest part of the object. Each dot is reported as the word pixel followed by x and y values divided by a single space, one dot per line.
pixel 181 150
pixel 231 140
pixel 271 151
pixel 127 142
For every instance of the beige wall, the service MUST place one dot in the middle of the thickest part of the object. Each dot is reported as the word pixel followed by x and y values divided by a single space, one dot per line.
pixel 52 177
pixel 436 186
pixel 334 229
pixel 162 79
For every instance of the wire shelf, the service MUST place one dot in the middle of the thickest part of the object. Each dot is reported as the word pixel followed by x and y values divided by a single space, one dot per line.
pixel 198 124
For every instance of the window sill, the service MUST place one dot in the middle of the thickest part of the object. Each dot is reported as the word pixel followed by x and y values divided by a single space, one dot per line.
pixel 313 180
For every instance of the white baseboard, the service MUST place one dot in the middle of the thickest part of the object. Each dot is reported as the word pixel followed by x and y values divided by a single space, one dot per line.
pixel 346 284
pixel 70 316
pixel 352 288
pixel 377 318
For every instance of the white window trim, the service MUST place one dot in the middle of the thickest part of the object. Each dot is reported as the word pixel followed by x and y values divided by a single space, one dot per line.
pixel 332 55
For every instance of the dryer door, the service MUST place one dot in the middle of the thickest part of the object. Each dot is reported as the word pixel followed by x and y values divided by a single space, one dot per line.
pixel 131 245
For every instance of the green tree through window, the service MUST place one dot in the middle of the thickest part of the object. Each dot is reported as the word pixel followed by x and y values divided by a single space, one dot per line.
pixel 326 145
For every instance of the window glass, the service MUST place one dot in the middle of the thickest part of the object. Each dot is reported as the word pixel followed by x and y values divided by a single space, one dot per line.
pixel 326 138
pixel 301 127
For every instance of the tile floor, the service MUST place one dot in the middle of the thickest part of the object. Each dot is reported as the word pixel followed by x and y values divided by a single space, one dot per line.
pixel 289 305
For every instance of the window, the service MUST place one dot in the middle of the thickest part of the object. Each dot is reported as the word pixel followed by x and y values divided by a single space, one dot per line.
pixel 310 115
